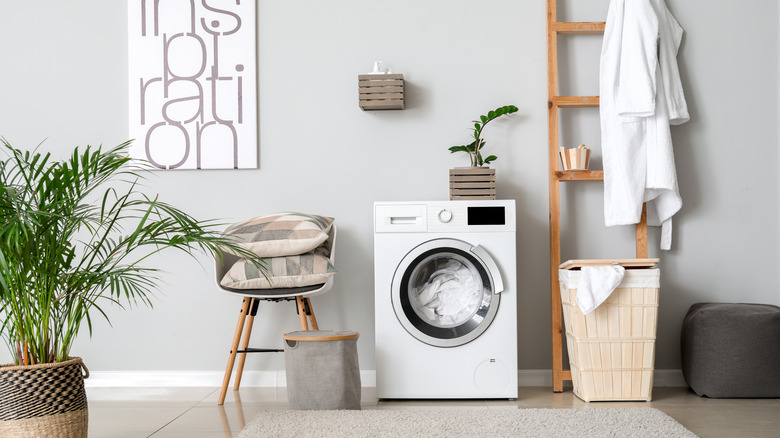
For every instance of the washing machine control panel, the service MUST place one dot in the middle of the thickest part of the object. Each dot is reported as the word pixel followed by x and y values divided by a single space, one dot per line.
pixel 444 216
pixel 469 216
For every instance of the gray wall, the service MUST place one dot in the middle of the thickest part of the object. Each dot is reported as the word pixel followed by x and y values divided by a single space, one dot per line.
pixel 63 80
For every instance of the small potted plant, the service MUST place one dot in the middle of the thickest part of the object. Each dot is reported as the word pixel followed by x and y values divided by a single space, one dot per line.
pixel 477 181
pixel 75 235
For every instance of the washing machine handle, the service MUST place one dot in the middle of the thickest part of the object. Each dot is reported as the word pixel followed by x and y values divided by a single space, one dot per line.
pixel 492 267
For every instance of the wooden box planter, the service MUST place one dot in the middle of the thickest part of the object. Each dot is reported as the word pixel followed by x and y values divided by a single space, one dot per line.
pixel 381 91
pixel 472 183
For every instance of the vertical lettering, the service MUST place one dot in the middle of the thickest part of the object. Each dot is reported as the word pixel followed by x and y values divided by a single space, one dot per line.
pixel 184 60
pixel 157 16
pixel 143 17
pixel 240 94
pixel 217 23
pixel 191 93
pixel 213 79
pixel 148 145
pixel 143 96
pixel 199 144
pixel 198 98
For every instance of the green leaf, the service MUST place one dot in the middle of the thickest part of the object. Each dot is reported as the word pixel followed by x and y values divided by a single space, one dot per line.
pixel 491 115
pixel 484 119
pixel 477 126
pixel 459 149
pixel 490 158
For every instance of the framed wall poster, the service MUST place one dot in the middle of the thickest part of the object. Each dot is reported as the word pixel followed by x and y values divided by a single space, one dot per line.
pixel 193 100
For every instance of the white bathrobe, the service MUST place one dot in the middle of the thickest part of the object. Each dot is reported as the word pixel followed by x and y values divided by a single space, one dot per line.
pixel 641 95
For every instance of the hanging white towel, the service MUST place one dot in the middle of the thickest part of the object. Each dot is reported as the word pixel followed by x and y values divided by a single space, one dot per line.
pixel 641 95
pixel 596 285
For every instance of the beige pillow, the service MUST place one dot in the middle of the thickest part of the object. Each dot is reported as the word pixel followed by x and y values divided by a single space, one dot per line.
pixel 290 271
pixel 281 234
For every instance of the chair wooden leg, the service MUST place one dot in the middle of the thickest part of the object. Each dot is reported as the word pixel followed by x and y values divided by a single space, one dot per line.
pixel 234 349
pixel 312 318
pixel 250 320
pixel 302 313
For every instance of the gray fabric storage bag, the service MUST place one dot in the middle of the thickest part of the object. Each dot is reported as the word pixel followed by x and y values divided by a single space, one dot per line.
pixel 322 369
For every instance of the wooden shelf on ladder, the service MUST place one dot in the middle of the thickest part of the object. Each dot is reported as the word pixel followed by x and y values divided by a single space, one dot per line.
pixel 556 176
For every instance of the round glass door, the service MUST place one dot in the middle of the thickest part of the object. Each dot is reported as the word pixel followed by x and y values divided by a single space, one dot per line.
pixel 443 293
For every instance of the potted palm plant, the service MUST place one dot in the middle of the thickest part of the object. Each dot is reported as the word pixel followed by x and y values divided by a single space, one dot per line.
pixel 477 181
pixel 74 236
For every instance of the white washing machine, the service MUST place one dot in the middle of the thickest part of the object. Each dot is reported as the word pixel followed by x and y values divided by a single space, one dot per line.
pixel 446 299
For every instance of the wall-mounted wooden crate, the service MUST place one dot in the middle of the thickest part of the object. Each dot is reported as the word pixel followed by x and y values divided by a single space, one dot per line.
pixel 472 183
pixel 381 91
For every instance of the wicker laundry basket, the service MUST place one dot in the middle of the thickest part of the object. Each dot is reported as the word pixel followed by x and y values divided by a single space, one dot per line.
pixel 612 349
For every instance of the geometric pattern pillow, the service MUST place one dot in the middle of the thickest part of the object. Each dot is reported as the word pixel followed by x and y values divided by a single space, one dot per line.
pixel 281 234
pixel 290 271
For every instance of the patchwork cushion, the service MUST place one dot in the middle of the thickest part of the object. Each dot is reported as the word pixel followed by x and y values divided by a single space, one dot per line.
pixel 284 272
pixel 281 234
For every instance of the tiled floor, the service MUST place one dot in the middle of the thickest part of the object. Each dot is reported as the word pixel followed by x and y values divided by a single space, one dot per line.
pixel 193 412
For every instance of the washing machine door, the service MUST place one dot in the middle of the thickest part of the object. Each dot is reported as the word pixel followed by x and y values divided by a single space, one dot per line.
pixel 446 292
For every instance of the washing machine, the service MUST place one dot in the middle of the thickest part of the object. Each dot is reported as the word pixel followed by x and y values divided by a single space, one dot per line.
pixel 445 299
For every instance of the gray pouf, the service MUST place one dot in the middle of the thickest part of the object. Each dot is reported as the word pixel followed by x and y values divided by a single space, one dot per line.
pixel 322 369
pixel 732 350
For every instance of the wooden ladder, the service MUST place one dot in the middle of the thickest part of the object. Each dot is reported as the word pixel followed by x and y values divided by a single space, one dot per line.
pixel 556 176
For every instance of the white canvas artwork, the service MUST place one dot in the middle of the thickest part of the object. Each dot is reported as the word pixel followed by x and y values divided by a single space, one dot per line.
pixel 192 83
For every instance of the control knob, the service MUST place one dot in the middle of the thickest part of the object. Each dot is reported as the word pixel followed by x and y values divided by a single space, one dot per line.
pixel 445 216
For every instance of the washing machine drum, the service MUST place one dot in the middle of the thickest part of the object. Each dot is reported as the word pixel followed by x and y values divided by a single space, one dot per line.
pixel 445 292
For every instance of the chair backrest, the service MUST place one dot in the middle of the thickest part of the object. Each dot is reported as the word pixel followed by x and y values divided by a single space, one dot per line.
pixel 221 267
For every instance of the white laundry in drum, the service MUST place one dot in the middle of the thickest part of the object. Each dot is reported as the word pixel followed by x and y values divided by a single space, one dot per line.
pixel 451 295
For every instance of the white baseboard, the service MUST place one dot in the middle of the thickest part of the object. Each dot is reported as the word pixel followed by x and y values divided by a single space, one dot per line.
pixel 269 379
pixel 278 379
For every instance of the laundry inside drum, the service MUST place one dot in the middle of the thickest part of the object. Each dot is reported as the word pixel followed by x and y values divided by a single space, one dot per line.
pixel 446 290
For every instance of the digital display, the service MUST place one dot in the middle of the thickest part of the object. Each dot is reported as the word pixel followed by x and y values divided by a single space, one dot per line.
pixel 486 216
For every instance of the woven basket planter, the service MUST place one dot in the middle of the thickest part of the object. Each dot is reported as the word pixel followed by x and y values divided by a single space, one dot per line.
pixel 46 400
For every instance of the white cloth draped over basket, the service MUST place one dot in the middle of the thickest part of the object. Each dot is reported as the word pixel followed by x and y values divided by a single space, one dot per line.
pixel 597 284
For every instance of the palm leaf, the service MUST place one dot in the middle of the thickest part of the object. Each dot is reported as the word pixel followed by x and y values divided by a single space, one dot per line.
pixel 64 256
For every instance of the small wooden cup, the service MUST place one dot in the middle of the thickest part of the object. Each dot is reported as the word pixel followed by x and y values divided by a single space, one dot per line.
pixel 575 158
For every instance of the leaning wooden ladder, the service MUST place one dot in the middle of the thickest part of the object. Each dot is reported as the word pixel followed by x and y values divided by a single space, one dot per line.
pixel 556 176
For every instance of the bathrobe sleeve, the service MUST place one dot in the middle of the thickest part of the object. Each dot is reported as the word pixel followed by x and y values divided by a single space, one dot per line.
pixel 638 60
pixel 670 74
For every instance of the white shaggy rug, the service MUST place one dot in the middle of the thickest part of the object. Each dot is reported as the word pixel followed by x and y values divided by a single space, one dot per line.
pixel 565 423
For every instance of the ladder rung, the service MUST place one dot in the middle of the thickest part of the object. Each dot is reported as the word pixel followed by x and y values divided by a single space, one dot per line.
pixel 578 27
pixel 579 175
pixel 575 101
